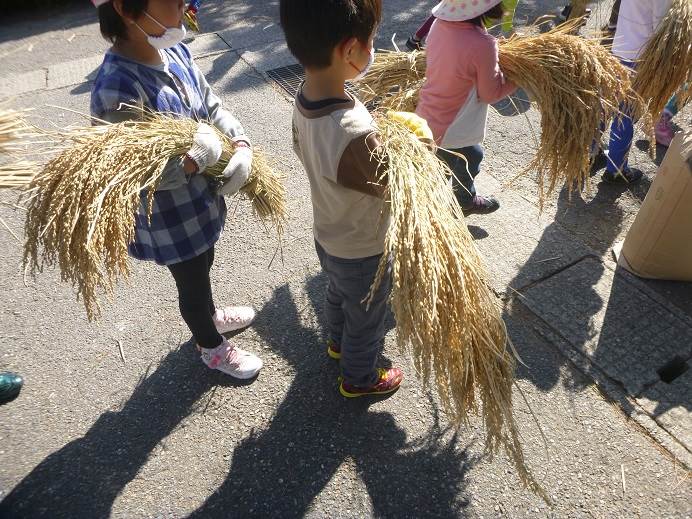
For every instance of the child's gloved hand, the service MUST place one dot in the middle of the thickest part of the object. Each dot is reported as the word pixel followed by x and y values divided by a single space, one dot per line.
pixel 237 172
pixel 418 126
pixel 206 147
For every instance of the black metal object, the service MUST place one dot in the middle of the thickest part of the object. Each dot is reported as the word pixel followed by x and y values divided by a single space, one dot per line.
pixel 290 77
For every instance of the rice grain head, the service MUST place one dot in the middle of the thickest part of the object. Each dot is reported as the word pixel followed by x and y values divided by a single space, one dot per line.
pixel 447 315
pixel 665 65
pixel 575 83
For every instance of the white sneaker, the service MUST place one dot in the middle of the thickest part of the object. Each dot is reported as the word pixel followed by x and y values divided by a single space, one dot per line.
pixel 233 318
pixel 231 360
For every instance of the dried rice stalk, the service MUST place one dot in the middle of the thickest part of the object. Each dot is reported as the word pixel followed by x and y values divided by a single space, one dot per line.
pixel 666 63
pixel 446 313
pixel 394 80
pixel 575 83
pixel 81 213
pixel 16 174
pixel 12 127
pixel 578 9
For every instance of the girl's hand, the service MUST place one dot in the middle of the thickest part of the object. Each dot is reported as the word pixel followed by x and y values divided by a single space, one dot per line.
pixel 205 150
pixel 237 172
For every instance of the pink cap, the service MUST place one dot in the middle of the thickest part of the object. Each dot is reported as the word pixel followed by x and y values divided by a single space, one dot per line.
pixel 99 2
pixel 462 10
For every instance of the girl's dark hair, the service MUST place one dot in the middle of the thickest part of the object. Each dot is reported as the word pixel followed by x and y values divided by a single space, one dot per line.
pixel 494 13
pixel 112 25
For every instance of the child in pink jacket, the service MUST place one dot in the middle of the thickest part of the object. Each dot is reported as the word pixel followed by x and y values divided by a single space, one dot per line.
pixel 463 78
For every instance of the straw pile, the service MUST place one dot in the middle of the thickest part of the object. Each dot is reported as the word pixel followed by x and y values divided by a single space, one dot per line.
pixel 83 202
pixel 575 83
pixel 446 313
pixel 666 62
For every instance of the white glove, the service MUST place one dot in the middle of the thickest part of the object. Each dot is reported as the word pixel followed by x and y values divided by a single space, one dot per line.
pixel 238 169
pixel 206 147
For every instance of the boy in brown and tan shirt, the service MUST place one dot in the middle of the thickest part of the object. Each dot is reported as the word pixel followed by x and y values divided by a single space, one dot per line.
pixel 334 137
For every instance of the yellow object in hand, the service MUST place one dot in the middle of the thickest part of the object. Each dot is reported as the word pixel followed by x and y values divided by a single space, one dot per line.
pixel 418 126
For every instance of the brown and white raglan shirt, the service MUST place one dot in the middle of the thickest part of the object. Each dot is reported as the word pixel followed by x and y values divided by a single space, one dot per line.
pixel 334 139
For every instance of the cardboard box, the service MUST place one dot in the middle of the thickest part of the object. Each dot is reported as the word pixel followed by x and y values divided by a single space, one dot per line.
pixel 659 243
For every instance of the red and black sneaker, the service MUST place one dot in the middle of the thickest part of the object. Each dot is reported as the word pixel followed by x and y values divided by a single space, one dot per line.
pixel 333 349
pixel 481 205
pixel 388 380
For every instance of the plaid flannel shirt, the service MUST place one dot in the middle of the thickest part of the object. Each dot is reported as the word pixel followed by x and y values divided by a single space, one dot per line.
pixel 187 216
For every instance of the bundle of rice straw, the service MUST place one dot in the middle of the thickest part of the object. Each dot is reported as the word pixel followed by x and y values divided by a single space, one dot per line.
pixel 665 65
pixel 446 312
pixel 82 204
pixel 393 80
pixel 575 83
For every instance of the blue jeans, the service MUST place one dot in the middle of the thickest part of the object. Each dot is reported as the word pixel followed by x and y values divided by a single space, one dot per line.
pixel 621 133
pixel 465 171
pixel 358 331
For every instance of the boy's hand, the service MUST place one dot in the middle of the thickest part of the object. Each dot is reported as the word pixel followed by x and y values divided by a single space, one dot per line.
pixel 237 171
pixel 206 148
pixel 418 126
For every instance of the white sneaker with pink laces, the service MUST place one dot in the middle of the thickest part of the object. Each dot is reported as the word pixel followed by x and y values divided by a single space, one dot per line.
pixel 233 318
pixel 231 360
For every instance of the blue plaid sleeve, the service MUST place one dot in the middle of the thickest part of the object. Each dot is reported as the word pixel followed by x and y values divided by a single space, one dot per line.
pixel 114 87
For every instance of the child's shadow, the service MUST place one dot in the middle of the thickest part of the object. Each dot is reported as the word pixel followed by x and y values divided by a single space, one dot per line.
pixel 83 478
pixel 279 471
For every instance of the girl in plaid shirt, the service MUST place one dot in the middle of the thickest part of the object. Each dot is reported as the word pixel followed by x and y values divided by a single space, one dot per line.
pixel 149 66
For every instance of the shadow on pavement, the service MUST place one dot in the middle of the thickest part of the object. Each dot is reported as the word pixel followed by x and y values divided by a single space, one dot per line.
pixel 571 212
pixel 23 23
pixel 280 470
pixel 83 478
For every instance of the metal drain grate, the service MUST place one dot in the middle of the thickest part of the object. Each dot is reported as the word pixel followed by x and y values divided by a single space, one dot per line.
pixel 290 77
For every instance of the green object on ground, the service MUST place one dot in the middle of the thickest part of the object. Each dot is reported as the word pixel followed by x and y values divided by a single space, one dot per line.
pixel 10 386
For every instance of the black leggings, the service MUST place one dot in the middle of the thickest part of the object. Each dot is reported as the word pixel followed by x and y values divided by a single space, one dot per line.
pixel 194 297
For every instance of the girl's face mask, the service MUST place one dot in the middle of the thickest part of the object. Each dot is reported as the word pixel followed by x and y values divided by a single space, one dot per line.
pixel 171 35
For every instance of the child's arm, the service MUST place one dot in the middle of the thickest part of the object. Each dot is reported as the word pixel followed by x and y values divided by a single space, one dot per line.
pixel 238 170
pixel 111 105
pixel 218 115
pixel 360 169
pixel 491 85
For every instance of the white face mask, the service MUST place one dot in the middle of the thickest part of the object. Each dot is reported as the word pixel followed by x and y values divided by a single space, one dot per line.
pixel 171 35
pixel 371 60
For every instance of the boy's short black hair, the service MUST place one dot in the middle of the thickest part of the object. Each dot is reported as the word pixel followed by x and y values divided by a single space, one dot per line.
pixel 112 25
pixel 495 13
pixel 313 28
